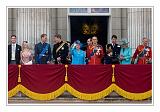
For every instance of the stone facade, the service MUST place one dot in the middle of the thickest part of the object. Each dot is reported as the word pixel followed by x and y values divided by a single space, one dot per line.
pixel 139 26
pixel 11 22
pixel 131 23
pixel 119 22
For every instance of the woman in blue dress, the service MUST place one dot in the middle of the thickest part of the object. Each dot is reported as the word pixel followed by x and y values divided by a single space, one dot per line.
pixel 125 53
pixel 78 55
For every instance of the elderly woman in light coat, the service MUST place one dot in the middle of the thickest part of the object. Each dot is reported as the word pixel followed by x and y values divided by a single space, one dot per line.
pixel 125 53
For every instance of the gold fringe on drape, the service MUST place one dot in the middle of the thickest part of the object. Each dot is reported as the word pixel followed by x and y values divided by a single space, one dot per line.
pixel 83 96
pixel 132 96
pixel 74 92
pixel 14 91
pixel 38 96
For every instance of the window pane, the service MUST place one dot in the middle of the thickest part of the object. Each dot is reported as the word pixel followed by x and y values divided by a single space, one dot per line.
pixel 99 10
pixel 78 10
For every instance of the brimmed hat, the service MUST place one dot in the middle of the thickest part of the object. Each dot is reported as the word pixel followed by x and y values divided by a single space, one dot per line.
pixel 124 42
pixel 77 42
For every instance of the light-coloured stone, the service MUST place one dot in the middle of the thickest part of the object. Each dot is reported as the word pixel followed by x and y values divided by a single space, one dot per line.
pixel 10 32
pixel 14 24
pixel 119 21
pixel 116 12
pixel 14 13
pixel 116 23
pixel 124 12
pixel 14 32
pixel 124 21
pixel 139 26
pixel 62 12
pixel 147 9
pixel 62 23
pixel 53 32
pixel 9 13
pixel 124 33
pixel 53 13
pixel 117 32
pixel 10 24
pixel 53 24
pixel 63 33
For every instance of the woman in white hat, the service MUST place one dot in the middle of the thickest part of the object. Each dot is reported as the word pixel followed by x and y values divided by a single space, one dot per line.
pixel 125 53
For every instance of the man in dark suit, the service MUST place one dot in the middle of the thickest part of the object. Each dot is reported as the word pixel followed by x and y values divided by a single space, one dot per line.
pixel 43 51
pixel 60 50
pixel 14 51
pixel 115 50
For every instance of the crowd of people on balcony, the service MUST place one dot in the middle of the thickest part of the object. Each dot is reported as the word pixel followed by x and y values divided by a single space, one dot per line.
pixel 66 53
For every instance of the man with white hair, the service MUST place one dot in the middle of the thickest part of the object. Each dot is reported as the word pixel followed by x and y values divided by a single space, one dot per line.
pixel 143 53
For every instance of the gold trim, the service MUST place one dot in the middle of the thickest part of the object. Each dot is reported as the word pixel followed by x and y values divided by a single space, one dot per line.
pixel 60 47
pixel 38 96
pixel 66 76
pixel 93 96
pixel 83 96
pixel 14 91
pixel 19 73
pixel 132 96
pixel 113 77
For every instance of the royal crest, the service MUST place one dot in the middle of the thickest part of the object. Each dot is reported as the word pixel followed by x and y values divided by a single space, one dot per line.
pixel 89 29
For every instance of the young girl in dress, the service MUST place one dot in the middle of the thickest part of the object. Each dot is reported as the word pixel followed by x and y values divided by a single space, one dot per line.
pixel 26 54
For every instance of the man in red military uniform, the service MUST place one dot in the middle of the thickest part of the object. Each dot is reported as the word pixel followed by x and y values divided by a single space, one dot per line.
pixel 143 52
pixel 95 52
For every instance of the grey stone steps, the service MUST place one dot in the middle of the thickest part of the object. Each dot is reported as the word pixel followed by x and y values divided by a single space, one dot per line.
pixel 68 98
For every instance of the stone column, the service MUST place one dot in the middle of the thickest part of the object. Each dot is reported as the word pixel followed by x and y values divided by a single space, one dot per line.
pixel 119 23
pixel 124 22
pixel 31 23
pixel 62 22
pixel 11 22
pixel 116 23
pixel 53 24
pixel 139 26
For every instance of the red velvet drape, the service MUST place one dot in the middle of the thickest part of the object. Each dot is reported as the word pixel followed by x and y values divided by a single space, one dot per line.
pixel 12 76
pixel 134 78
pixel 85 79
pixel 42 78
pixel 89 78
